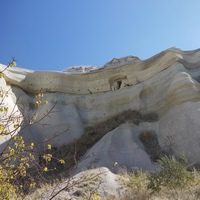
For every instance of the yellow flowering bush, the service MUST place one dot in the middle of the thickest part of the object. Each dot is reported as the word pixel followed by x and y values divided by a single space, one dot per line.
pixel 17 160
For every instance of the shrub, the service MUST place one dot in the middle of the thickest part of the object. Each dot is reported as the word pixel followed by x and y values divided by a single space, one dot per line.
pixel 174 174
pixel 138 180
pixel 17 159
pixel 22 166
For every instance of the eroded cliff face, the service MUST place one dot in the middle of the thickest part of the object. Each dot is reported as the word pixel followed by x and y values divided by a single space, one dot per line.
pixel 166 84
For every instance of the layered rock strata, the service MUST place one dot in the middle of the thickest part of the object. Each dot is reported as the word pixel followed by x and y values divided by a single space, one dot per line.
pixel 166 84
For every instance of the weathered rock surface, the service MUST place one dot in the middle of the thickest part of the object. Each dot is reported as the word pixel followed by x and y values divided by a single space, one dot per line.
pixel 166 84
pixel 121 146
pixel 101 180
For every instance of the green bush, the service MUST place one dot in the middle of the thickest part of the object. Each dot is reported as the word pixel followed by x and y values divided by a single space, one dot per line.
pixel 174 174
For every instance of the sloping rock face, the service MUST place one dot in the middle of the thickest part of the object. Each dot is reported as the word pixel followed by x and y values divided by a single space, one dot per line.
pixel 107 184
pixel 121 146
pixel 166 84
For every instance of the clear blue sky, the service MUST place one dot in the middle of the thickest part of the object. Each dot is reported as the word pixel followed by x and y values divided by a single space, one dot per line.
pixel 54 35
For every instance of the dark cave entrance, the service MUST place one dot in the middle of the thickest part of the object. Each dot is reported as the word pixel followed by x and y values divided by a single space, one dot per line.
pixel 119 83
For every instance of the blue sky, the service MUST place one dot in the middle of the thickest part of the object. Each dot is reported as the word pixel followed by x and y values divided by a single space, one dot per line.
pixel 54 35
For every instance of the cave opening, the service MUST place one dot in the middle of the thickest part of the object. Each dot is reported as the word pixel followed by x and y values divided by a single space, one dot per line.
pixel 119 83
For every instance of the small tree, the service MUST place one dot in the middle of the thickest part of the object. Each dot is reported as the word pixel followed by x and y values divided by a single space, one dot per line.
pixel 22 165
pixel 18 163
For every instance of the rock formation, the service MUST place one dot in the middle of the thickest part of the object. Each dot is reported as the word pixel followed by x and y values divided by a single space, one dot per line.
pixel 166 84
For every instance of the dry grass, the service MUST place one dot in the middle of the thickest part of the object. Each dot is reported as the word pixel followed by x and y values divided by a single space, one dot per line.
pixel 138 189
pixel 136 185
pixel 175 180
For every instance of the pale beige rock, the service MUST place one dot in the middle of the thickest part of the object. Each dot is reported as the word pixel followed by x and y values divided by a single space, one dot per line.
pixel 8 100
pixel 101 182
pixel 167 84
pixel 99 81
pixel 120 148
pixel 179 131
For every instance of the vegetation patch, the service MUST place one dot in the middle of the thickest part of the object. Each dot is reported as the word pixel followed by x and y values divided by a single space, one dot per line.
pixel 72 152
pixel 176 180
pixel 150 142
pixel 174 174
